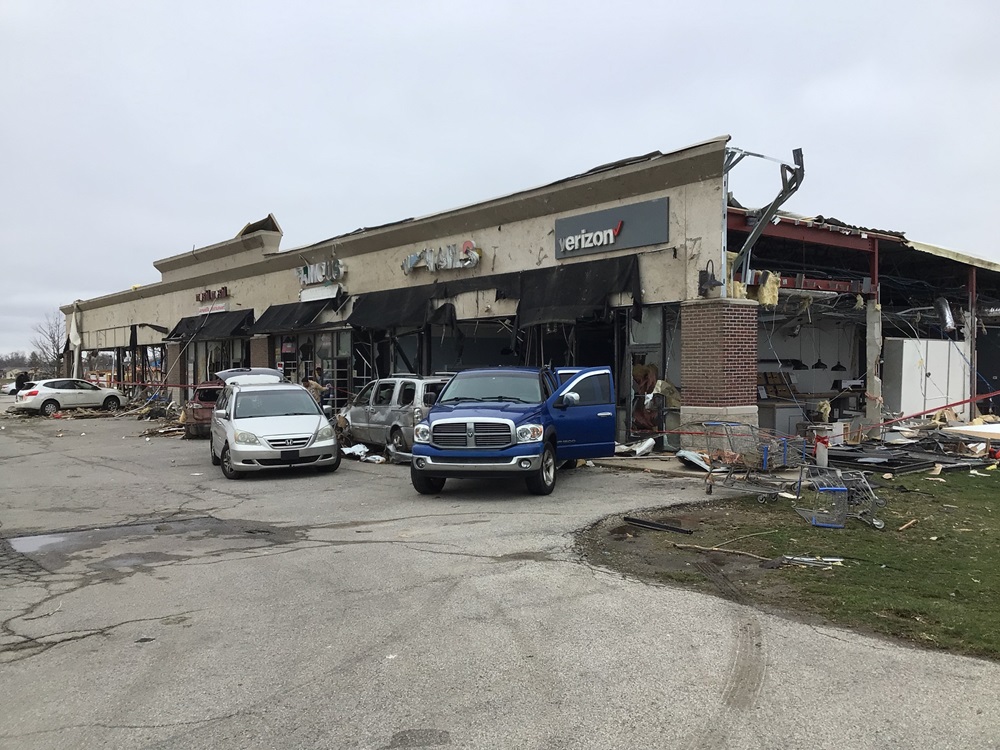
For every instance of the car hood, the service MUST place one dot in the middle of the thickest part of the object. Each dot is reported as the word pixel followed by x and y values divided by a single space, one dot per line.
pixel 299 424
pixel 479 410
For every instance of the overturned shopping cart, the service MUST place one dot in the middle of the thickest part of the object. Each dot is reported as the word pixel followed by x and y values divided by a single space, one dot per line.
pixel 749 457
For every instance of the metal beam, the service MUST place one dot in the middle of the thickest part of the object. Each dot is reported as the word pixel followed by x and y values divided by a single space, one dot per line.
pixel 791 180
pixel 809 233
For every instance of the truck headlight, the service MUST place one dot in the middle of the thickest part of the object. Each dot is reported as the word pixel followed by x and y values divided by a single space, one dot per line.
pixel 422 433
pixel 246 438
pixel 324 433
pixel 529 433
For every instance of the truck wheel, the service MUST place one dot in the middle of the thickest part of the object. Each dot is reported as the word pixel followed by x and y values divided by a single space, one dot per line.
pixel 425 485
pixel 543 481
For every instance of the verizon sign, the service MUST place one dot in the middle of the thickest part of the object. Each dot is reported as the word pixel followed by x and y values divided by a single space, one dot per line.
pixel 634 225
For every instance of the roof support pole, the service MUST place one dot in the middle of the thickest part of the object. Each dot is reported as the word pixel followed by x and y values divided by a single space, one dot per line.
pixel 971 333
pixel 873 351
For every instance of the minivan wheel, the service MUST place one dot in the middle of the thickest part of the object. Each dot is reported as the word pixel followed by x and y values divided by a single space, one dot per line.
pixel 227 464
pixel 543 481
pixel 398 441
pixel 211 450
pixel 425 485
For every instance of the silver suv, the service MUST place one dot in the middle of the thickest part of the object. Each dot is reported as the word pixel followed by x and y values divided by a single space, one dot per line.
pixel 262 422
pixel 385 410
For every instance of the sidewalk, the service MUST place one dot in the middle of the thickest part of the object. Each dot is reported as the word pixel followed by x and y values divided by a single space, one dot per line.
pixel 657 463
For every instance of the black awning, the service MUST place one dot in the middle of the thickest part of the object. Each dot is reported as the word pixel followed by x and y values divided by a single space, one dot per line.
pixel 567 293
pixel 209 327
pixel 291 317
pixel 397 308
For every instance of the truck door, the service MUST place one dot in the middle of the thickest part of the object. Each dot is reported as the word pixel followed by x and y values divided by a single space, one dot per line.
pixel 585 422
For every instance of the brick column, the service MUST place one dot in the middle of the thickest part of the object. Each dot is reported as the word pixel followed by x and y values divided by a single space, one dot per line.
pixel 719 360
pixel 260 352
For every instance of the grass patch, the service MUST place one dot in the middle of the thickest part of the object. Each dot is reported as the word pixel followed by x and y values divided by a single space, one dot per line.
pixel 936 583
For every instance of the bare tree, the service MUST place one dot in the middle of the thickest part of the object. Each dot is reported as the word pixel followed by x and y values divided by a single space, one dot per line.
pixel 50 341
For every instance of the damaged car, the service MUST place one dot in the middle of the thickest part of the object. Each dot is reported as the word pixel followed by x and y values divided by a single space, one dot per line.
pixel 197 414
pixel 385 411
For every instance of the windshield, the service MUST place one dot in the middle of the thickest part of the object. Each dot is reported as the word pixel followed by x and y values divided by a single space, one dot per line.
pixel 277 403
pixel 516 387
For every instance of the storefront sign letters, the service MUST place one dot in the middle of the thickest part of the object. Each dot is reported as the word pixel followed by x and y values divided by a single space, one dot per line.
pixel 444 258
pixel 586 239
pixel 213 307
pixel 327 271
pixel 210 295
pixel 632 225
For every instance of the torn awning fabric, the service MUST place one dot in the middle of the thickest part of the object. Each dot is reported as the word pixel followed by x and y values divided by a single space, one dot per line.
pixel 290 317
pixel 567 293
pixel 213 326
pixel 409 307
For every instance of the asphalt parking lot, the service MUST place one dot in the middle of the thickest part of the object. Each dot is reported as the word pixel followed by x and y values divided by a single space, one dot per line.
pixel 149 602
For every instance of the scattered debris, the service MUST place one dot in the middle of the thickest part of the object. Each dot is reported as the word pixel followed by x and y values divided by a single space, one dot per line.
pixel 640 448
pixel 655 526
pixel 177 430
pixel 358 450
pixel 678 545
pixel 907 525
pixel 812 562
pixel 694 459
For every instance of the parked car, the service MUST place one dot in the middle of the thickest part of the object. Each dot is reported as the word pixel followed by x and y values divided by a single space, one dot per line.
pixel 49 396
pixel 10 389
pixel 514 422
pixel 198 409
pixel 262 422
pixel 385 410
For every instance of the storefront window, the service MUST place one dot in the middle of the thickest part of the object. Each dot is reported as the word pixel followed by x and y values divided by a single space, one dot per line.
pixel 298 356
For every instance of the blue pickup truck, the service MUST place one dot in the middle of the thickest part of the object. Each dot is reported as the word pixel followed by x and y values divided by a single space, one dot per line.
pixel 514 422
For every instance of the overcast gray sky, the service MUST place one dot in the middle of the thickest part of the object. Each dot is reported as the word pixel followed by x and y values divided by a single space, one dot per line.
pixel 131 131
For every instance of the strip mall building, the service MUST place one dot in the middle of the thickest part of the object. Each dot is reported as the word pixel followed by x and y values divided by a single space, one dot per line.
pixel 627 264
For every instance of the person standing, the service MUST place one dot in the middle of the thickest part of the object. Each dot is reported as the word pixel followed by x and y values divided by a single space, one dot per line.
pixel 314 388
pixel 327 387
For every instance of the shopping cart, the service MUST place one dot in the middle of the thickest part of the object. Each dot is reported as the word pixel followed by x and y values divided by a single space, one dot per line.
pixel 828 497
pixel 749 457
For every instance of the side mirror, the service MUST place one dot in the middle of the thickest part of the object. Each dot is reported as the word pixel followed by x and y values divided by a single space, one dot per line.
pixel 328 411
pixel 429 399
pixel 569 399
pixel 221 414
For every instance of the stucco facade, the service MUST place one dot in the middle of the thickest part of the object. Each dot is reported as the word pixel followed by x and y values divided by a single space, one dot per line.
pixel 514 239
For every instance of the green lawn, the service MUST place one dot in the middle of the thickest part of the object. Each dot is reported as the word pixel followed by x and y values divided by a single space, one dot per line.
pixel 936 583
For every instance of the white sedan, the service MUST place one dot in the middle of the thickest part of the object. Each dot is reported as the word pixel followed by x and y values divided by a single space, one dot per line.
pixel 49 396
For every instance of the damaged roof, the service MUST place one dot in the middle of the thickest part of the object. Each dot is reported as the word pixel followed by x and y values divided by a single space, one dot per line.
pixel 621 163
pixel 821 221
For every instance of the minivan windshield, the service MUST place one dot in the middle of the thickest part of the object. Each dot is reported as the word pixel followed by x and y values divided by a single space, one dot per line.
pixel 281 402
pixel 516 387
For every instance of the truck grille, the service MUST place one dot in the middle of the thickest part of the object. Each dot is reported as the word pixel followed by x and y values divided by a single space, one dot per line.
pixel 484 435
